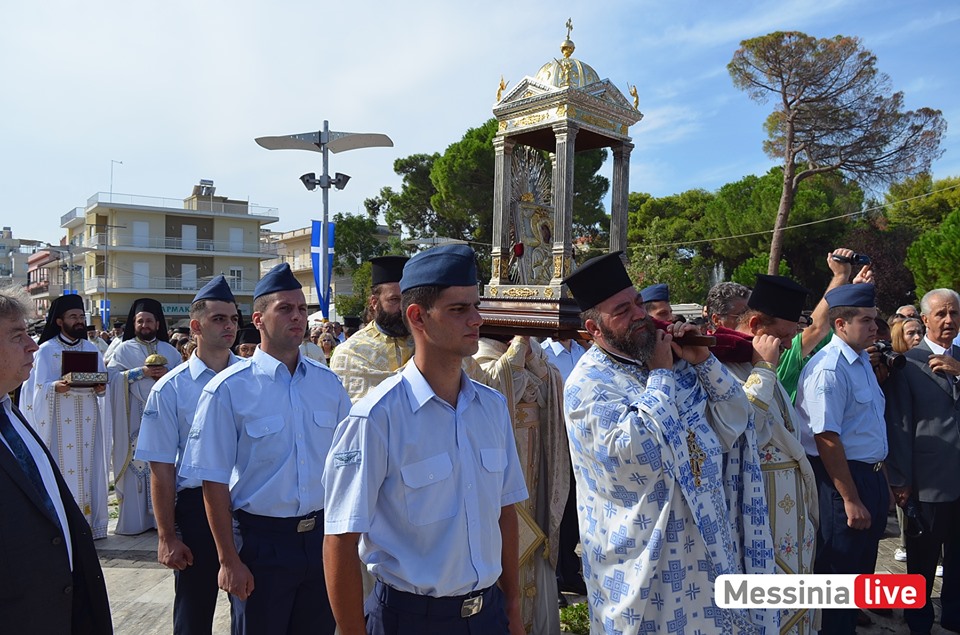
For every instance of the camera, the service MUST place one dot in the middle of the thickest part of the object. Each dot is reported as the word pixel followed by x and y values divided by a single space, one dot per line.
pixel 855 259
pixel 914 527
pixel 891 358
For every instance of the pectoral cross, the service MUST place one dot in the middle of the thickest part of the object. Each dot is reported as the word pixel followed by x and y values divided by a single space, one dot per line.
pixel 697 457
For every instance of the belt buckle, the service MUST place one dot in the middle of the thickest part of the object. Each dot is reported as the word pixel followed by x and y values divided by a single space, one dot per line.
pixel 307 524
pixel 471 606
pixel 878 466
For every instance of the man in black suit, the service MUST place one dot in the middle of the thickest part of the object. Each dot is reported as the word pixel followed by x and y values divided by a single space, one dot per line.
pixel 50 577
pixel 923 414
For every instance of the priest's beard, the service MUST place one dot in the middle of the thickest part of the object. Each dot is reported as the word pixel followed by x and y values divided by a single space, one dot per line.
pixel 76 332
pixel 145 334
pixel 636 342
pixel 391 323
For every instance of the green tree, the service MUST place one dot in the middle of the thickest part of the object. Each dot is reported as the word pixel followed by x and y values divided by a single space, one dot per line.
pixel 834 113
pixel 887 249
pixel 688 277
pixel 922 203
pixel 356 302
pixel 934 257
pixel 409 209
pixel 355 241
pixel 589 188
pixel 746 273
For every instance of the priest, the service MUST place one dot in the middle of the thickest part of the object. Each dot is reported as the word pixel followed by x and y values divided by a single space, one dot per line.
pixel 72 420
pixel 144 336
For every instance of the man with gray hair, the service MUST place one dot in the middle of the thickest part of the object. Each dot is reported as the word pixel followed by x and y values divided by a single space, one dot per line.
pixel 51 576
pixel 923 427
pixel 726 302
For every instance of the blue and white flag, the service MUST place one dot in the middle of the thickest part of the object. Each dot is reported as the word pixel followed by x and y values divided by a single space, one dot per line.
pixel 322 267
pixel 105 314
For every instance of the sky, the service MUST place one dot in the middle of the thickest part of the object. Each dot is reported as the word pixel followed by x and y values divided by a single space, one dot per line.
pixel 178 90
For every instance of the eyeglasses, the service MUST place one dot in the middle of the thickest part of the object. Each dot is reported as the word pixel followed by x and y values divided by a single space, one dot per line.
pixel 912 316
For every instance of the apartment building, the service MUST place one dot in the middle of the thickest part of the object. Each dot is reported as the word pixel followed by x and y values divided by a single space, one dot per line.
pixel 14 253
pixel 139 246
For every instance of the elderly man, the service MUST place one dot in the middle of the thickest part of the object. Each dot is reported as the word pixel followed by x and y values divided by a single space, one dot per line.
pixel 144 336
pixel 248 338
pixel 424 474
pixel 50 580
pixel 840 407
pixel 769 321
pixel 726 303
pixel 71 420
pixel 384 345
pixel 258 442
pixel 923 426
pixel 185 543
pixel 94 337
pixel 667 468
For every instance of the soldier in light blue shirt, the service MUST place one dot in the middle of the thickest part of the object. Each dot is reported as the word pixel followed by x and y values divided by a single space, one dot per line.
pixel 842 428
pixel 263 428
pixel 424 474
pixel 185 543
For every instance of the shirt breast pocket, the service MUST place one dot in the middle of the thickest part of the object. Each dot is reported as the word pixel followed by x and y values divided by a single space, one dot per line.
pixel 266 441
pixel 863 395
pixel 429 492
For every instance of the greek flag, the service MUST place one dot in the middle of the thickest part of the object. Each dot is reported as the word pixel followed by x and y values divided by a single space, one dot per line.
pixel 322 267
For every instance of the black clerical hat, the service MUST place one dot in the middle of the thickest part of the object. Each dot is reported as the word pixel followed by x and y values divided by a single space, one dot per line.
pixel 598 279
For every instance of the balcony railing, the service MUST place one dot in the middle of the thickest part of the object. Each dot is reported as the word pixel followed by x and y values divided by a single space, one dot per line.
pixel 171 243
pixel 157 283
pixel 77 213
pixel 202 205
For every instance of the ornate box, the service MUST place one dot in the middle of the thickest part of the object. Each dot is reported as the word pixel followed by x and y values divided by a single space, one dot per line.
pixel 79 369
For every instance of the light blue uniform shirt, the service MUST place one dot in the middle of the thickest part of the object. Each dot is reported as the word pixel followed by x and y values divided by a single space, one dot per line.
pixel 838 392
pixel 560 357
pixel 168 415
pixel 266 434
pixel 424 483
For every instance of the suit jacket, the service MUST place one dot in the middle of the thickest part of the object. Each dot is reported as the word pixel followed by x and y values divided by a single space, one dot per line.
pixel 38 592
pixel 923 413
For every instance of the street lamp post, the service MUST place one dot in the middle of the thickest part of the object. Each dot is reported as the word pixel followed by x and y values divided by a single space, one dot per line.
pixel 325 141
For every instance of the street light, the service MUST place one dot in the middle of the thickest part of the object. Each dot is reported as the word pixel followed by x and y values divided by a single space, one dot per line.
pixel 323 141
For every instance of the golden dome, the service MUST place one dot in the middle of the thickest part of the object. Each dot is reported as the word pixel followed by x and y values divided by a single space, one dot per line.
pixel 567 71
pixel 155 360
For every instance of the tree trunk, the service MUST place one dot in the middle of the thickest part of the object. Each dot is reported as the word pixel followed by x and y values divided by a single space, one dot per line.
pixel 783 212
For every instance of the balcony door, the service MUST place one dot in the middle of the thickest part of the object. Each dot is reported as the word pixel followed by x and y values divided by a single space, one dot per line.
pixel 188 276
pixel 188 237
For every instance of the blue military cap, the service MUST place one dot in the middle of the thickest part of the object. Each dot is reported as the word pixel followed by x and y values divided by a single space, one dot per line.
pixel 444 266
pixel 216 289
pixel 656 293
pixel 280 278
pixel 859 295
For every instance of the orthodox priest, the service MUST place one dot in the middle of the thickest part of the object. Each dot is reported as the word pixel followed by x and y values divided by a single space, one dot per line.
pixel 384 345
pixel 770 323
pixel 71 420
pixel 533 387
pixel 143 357
pixel 669 488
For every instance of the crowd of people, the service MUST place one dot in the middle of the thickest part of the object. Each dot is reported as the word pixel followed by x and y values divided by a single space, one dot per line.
pixel 411 475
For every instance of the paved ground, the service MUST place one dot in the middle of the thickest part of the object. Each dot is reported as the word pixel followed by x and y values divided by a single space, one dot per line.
pixel 141 590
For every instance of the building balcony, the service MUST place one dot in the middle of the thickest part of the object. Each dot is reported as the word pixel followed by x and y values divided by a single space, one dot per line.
pixel 74 218
pixel 44 289
pixel 203 206
pixel 154 284
pixel 166 244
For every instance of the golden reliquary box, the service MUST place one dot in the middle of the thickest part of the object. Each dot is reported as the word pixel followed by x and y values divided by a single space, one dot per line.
pixel 79 369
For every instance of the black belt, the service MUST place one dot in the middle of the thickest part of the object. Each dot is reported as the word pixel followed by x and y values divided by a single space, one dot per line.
pixel 293 524
pixel 451 606
pixel 859 465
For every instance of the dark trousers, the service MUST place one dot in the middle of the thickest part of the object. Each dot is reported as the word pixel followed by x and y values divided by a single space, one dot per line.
pixel 841 549
pixel 391 612
pixel 941 523
pixel 290 591
pixel 195 587
pixel 568 563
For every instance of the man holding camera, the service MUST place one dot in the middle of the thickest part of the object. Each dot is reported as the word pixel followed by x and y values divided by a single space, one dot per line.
pixel 923 425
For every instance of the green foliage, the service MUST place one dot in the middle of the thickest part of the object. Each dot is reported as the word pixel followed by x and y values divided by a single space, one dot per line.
pixel 921 203
pixel 746 273
pixel 589 188
pixel 355 241
pixel 887 249
pixel 654 223
pixel 575 618
pixel 355 303
pixel 934 257
pixel 688 276
pixel 409 209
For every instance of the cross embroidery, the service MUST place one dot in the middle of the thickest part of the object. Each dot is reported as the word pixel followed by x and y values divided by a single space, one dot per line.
pixel 697 457
pixel 787 504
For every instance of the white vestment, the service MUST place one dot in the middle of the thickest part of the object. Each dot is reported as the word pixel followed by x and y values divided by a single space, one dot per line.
pixel 73 425
pixel 128 395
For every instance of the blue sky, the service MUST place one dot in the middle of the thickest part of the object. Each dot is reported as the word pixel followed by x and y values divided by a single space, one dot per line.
pixel 177 90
